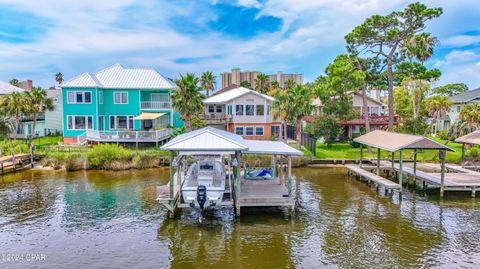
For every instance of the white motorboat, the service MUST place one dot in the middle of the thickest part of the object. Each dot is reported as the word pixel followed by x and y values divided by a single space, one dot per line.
pixel 204 183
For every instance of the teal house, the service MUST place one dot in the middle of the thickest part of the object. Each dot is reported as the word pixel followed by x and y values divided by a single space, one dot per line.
pixel 118 104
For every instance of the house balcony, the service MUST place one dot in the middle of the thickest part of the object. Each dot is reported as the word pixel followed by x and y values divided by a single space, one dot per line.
pixel 125 136
pixel 155 105
pixel 217 118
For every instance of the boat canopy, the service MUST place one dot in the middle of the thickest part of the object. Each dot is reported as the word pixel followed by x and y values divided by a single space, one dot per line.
pixel 392 142
pixel 213 141
pixel 471 138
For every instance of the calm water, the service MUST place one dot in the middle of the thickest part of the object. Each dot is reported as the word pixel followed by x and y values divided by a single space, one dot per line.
pixel 111 220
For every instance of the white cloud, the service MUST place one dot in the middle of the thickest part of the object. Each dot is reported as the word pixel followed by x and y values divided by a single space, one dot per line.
pixel 461 40
pixel 249 3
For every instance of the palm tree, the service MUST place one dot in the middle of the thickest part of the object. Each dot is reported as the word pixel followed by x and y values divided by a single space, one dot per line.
pixel 262 83
pixel 289 84
pixel 12 107
pixel 279 109
pixel 421 47
pixel 297 104
pixel 38 103
pixel 187 99
pixel 207 81
pixel 59 78
pixel 437 107
pixel 470 114
pixel 15 82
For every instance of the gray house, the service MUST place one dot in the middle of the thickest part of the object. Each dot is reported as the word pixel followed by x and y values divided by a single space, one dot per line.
pixel 459 101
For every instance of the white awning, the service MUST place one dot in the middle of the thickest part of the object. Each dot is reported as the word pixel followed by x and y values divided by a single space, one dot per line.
pixel 148 116
pixel 270 147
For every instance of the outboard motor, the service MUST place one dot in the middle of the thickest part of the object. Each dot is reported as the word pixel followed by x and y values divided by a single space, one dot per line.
pixel 201 195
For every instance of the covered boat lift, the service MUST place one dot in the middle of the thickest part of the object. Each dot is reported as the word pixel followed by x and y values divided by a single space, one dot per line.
pixel 242 192
pixel 472 138
pixel 393 142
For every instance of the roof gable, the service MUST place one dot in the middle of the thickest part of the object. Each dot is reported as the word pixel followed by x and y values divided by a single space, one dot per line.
pixel 7 88
pixel 118 77
pixel 206 139
pixel 234 94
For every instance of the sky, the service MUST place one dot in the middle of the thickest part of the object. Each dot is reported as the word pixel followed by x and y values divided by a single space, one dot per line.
pixel 41 38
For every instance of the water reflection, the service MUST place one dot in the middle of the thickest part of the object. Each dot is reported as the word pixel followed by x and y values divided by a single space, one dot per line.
pixel 111 219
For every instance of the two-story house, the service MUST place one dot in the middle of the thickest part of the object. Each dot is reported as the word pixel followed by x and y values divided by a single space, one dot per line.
pixel 118 104
pixel 244 112
pixel 458 102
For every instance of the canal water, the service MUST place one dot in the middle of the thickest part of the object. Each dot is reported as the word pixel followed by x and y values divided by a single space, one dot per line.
pixel 99 219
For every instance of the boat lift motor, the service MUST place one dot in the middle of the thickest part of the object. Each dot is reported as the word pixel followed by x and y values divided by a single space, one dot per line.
pixel 201 195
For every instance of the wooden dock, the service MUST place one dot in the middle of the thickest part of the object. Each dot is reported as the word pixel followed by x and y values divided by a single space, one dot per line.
pixel 270 192
pixel 379 180
pixel 7 162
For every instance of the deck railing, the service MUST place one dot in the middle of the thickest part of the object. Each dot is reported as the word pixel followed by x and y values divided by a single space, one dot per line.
pixel 128 136
pixel 154 105
pixel 216 117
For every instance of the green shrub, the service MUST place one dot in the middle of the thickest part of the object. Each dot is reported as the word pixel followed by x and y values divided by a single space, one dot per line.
pixel 18 145
pixel 104 153
pixel 473 153
pixel 442 135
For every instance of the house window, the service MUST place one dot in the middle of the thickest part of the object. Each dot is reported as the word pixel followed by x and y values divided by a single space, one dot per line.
pixel 79 122
pixel 248 130
pixel 121 122
pixel 100 97
pixel 120 98
pixel 211 108
pixel 239 110
pixel 218 108
pixel 239 130
pixel 276 130
pixel 259 131
pixel 79 97
pixel 229 110
pixel 260 110
pixel 250 110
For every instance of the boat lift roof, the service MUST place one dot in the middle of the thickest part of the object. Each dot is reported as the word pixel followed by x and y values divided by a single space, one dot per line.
pixel 471 138
pixel 392 142
pixel 210 140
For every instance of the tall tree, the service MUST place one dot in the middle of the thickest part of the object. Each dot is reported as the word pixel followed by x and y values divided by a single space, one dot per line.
pixel 38 102
pixel 187 99
pixel 297 104
pixel 279 110
pixel 437 107
pixel 384 36
pixel 12 107
pixel 450 89
pixel 59 78
pixel 245 84
pixel 262 83
pixel 289 84
pixel 15 82
pixel 207 81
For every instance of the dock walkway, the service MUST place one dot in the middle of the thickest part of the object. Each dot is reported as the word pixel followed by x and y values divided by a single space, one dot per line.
pixel 387 184
pixel 264 193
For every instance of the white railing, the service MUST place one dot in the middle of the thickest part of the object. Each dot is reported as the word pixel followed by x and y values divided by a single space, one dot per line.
pixel 217 117
pixel 128 136
pixel 82 139
pixel 154 105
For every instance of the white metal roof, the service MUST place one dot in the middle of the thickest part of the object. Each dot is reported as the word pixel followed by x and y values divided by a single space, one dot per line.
pixel 206 139
pixel 210 140
pixel 471 138
pixel 118 77
pixel 233 94
pixel 270 147
pixel 7 88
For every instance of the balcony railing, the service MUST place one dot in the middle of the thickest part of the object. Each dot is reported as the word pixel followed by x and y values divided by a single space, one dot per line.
pixel 154 105
pixel 216 118
pixel 128 136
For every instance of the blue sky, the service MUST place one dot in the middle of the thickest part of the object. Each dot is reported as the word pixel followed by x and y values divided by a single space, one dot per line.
pixel 40 38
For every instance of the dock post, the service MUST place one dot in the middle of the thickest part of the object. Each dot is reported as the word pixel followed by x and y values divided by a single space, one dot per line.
pixel 290 187
pixel 463 155
pixel 238 156
pixel 171 182
pixel 442 175
pixel 473 192
pixel 393 163
pixel 378 161
pixel 400 170
pixel 274 164
pixel 415 167
pixel 361 155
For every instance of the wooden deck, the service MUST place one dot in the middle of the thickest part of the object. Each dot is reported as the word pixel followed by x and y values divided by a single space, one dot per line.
pixel 387 184
pixel 7 162
pixel 260 193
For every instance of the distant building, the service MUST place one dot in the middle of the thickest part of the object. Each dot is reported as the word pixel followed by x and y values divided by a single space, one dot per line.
pixel 26 85
pixel 236 77
pixel 281 78
pixel 53 118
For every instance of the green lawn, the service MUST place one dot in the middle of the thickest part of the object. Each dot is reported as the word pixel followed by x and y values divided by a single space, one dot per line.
pixel 347 152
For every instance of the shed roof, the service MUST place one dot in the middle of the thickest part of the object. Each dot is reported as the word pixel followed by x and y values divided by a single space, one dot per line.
pixel 471 138
pixel 210 140
pixel 118 77
pixel 391 141
pixel 232 94
pixel 7 88
pixel 270 147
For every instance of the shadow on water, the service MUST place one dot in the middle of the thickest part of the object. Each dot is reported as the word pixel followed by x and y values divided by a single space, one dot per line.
pixel 112 219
